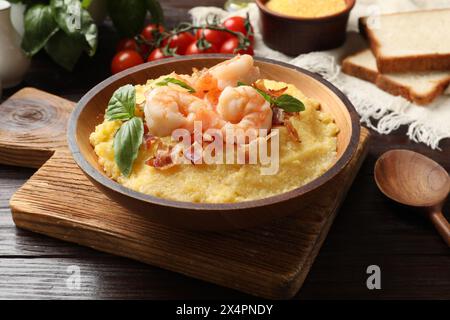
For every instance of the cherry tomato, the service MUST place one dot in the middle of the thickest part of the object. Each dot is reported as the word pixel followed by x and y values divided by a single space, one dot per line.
pixel 150 29
pixel 144 50
pixel 131 44
pixel 126 44
pixel 156 55
pixel 237 24
pixel 214 37
pixel 125 59
pixel 231 46
pixel 194 49
pixel 180 41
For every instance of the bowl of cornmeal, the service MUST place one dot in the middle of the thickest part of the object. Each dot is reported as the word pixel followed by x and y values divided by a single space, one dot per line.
pixel 295 27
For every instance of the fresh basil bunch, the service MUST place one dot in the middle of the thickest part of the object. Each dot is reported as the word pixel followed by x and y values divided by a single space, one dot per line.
pixel 64 28
pixel 129 137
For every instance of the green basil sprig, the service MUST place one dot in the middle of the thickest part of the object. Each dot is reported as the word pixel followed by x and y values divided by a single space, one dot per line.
pixel 127 141
pixel 64 27
pixel 289 103
pixel 286 102
pixel 40 27
pixel 129 137
pixel 122 103
pixel 180 83
pixel 64 50
pixel 76 22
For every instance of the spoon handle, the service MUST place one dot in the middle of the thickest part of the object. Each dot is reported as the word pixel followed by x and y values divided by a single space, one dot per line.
pixel 442 226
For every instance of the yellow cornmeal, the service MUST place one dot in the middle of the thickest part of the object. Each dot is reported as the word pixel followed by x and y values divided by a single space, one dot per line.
pixel 307 8
pixel 300 162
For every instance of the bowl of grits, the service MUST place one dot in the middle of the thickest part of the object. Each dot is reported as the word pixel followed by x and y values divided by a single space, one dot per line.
pixel 213 142
pixel 301 26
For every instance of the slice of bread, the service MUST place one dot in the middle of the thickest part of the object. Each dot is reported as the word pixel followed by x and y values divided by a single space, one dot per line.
pixel 421 87
pixel 409 41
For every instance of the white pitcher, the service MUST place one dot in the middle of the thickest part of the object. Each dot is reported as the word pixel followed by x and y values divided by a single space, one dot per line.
pixel 17 17
pixel 13 61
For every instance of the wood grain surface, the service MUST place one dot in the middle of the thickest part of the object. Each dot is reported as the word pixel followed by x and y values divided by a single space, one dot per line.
pixel 32 126
pixel 59 201
pixel 369 229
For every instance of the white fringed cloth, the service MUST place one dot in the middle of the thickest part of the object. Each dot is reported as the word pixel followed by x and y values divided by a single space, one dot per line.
pixel 427 125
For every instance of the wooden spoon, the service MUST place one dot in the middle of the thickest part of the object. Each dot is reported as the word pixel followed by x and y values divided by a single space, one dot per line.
pixel 415 180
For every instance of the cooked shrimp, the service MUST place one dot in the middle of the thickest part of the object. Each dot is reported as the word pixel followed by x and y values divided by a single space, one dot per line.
pixel 170 108
pixel 244 108
pixel 167 109
pixel 230 72
pixel 209 118
pixel 206 87
pixel 210 82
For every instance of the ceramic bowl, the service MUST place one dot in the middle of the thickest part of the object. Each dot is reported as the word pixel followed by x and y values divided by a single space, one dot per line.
pixel 294 35
pixel 206 216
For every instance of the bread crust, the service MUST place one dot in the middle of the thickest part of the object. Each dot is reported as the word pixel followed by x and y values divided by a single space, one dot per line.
pixel 358 71
pixel 413 63
pixel 398 89
pixel 432 62
pixel 389 85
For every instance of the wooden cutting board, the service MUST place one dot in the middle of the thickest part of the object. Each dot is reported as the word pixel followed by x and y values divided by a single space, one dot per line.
pixel 270 261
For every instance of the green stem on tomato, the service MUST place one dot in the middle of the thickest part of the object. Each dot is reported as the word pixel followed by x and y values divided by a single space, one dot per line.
pixel 187 27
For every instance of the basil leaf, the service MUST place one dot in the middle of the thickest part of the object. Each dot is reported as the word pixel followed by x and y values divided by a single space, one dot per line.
pixel 182 84
pixel 156 11
pixel 122 103
pixel 285 101
pixel 126 144
pixel 128 16
pixel 289 103
pixel 76 21
pixel 90 31
pixel 39 27
pixel 265 95
pixel 64 50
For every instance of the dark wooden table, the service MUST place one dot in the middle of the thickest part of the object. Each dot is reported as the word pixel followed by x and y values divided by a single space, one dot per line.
pixel 369 229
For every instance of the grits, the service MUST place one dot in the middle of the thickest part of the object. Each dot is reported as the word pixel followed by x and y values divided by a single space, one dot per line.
pixel 307 8
pixel 300 162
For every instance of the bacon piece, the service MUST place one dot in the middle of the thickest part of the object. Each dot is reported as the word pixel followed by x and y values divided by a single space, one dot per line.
pixel 272 92
pixel 278 116
pixel 162 160
pixel 277 93
pixel 292 131
pixel 149 140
